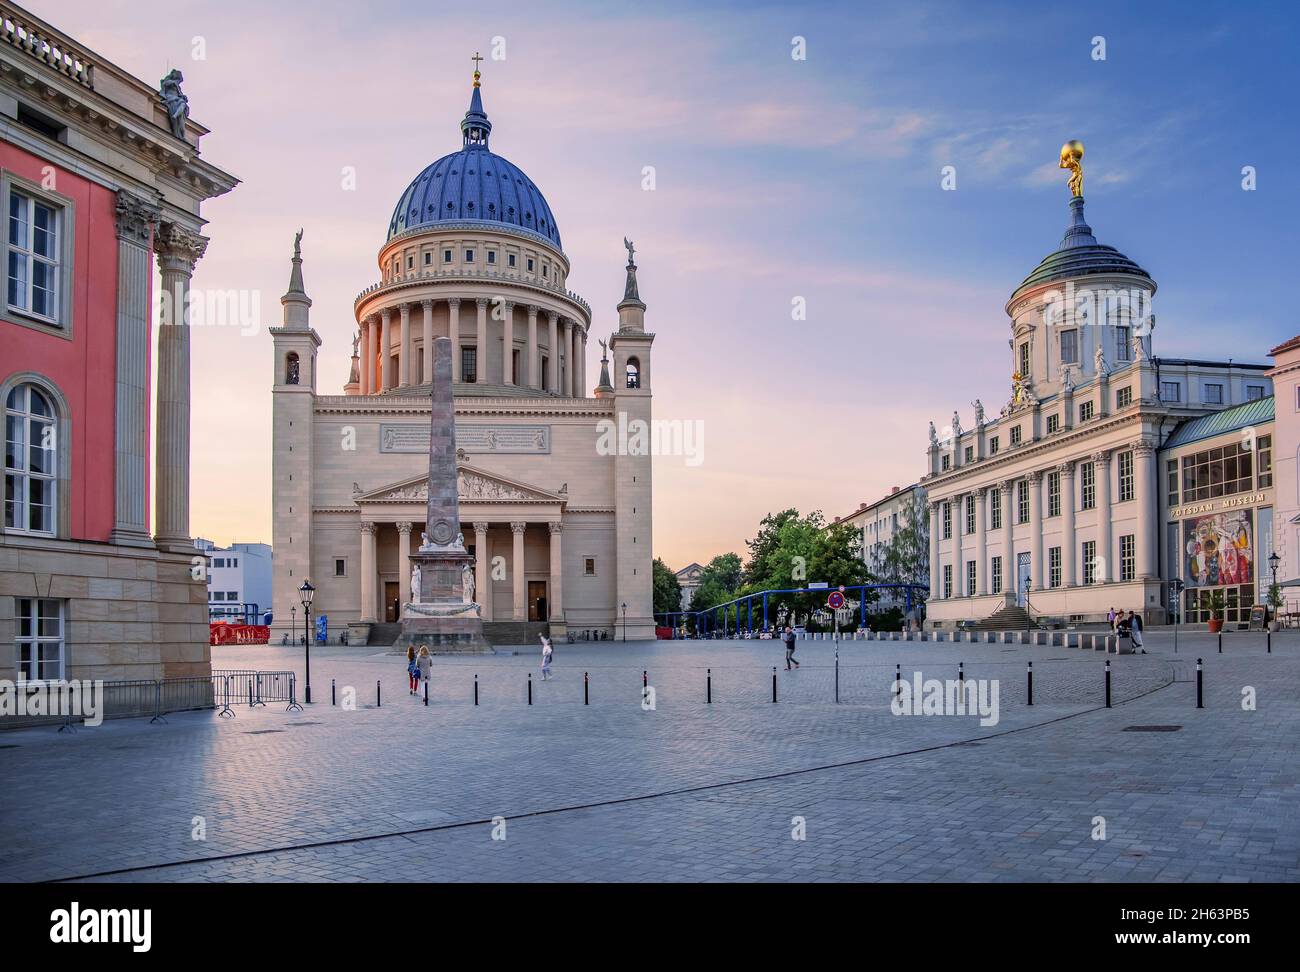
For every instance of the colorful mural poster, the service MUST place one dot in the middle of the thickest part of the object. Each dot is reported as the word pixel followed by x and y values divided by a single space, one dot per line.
pixel 1219 549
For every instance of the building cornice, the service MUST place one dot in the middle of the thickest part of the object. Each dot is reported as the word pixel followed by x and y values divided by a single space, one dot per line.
pixel 406 405
pixel 495 280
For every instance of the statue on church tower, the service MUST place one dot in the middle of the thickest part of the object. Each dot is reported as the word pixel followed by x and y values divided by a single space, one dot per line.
pixel 1071 158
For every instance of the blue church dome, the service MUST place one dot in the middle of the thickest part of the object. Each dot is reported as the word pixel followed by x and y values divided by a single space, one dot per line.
pixel 474 185
pixel 1080 255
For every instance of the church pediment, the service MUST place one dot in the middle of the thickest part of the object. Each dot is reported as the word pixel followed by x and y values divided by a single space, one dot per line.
pixel 473 485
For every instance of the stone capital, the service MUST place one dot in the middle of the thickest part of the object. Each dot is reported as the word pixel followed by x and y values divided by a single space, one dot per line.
pixel 404 527
pixel 1066 469
pixel 406 311
pixel 518 526
pixel 980 492
pixel 367 527
pixel 553 316
pixel 481 527
pixel 427 305
pixel 532 310
pixel 453 302
pixel 386 314
pixel 178 248
pixel 136 217
pixel 1034 477
pixel 1144 447
pixel 1102 458
pixel 482 303
pixel 1007 485
pixel 554 526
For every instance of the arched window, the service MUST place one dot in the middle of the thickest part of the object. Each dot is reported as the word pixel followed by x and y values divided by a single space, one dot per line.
pixel 31 460
pixel 291 370
pixel 633 373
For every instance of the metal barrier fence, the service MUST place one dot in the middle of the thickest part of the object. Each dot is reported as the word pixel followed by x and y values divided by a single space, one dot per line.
pixel 155 698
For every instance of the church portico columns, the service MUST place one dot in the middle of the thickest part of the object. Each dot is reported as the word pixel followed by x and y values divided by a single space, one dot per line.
pixel 385 350
pixel 404 362
pixel 1036 530
pixel 480 365
pixel 534 353
pixel 981 544
pixel 404 561
pixel 1009 576
pixel 368 575
pixel 520 587
pixel 935 570
pixel 1104 574
pixel 1069 576
pixel 367 356
pixel 555 605
pixel 553 358
pixel 453 330
pixel 507 343
pixel 482 576
pixel 566 342
pixel 426 376
pixel 1145 476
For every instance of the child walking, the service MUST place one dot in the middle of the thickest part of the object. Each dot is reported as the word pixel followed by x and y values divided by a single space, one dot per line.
pixel 412 672
pixel 547 653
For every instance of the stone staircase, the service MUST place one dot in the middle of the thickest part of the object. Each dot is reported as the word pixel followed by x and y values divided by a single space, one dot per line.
pixel 383 635
pixel 1010 618
pixel 514 632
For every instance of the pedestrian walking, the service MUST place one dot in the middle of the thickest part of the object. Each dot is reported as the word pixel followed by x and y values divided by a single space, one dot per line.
pixel 412 672
pixel 788 638
pixel 1110 620
pixel 548 652
pixel 1135 630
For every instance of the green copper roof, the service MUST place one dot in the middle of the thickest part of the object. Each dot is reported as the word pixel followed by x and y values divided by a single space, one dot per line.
pixel 1226 420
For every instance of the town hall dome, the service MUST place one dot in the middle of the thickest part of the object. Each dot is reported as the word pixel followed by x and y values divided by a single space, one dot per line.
pixel 474 185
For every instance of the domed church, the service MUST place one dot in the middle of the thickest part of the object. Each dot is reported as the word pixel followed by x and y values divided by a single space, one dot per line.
pixel 560 533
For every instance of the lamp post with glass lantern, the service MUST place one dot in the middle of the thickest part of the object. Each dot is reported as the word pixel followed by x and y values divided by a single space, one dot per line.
pixel 624 621
pixel 305 594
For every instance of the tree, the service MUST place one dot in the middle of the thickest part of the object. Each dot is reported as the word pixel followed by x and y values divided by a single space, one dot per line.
pixel 667 589
pixel 906 558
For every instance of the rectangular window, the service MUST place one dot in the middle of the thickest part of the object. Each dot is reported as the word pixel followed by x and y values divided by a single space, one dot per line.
pixel 1053 423
pixel 1090 561
pixel 1125 476
pixel 1054 567
pixel 1015 435
pixel 428 257
pixel 1085 411
pixel 1053 494
pixel 1022 501
pixel 1171 391
pixel 1070 347
pixel 410 261
pixel 218 595
pixel 1127 558
pixel 947 521
pixel 1254 393
pixel 994 446
pixel 1123 344
pixel 492 256
pixel 995 505
pixel 589 566
pixel 1024 360
pixel 546 267
pixel 947 580
pixel 510 259
pixel 546 372
pixel 970 578
pixel 530 264
pixel 970 514
pixel 446 256
pixel 1171 480
pixel 35 255
pixel 340 567
pixel 995 578
pixel 469 256
pixel 1217 472
pixel 1265 461
pixel 1088 485
pixel 970 454
pixel 1214 394
pixel 469 364
pixel 1124 397
pixel 232 595
pixel 39 645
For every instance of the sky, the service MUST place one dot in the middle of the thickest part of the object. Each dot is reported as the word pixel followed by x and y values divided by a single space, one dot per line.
pixel 776 179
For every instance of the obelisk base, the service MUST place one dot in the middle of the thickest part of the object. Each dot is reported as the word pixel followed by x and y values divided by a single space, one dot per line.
pixel 442 618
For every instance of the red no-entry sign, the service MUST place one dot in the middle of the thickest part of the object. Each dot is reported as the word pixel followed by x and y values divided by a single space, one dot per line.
pixel 835 600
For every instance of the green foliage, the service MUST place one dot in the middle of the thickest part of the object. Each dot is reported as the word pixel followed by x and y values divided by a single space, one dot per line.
pixel 1274 596
pixel 1216 603
pixel 906 558
pixel 667 589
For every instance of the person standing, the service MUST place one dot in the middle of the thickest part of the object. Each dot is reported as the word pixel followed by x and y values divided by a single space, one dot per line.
pixel 412 673
pixel 1135 630
pixel 423 666
pixel 1110 620
pixel 548 653
pixel 789 648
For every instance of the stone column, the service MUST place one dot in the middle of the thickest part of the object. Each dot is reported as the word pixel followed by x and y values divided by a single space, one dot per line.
pixel 135 221
pixel 404 363
pixel 579 361
pixel 517 528
pixel 555 600
pixel 427 374
pixel 1008 488
pixel 178 250
pixel 453 331
pixel 367 356
pixel 1148 520
pixel 385 350
pixel 482 577
pixel 981 543
pixel 566 342
pixel 534 378
pixel 1036 530
pixel 1069 546
pixel 553 349
pixel 507 343
pixel 404 562
pixel 481 353
pixel 1105 573
pixel 936 586
pixel 368 575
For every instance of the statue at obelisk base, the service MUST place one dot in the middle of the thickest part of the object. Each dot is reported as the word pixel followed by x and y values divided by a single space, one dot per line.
pixel 442 613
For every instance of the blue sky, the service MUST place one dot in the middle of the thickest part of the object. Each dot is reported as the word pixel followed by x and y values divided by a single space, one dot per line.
pixel 775 179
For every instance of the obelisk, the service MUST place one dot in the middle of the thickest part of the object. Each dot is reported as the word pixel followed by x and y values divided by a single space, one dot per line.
pixel 440 614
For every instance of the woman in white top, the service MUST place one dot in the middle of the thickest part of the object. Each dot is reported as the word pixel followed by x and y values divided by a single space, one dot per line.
pixel 547 652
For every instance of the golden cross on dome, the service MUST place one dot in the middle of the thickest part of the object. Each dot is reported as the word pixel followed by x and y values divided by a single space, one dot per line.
pixel 476 59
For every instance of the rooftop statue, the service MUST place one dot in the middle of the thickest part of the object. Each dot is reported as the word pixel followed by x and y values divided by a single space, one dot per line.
pixel 631 250
pixel 174 100
pixel 1071 156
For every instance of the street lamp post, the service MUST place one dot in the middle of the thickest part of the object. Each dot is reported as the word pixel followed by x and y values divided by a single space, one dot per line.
pixel 305 594
pixel 1273 561
pixel 625 621
pixel 293 625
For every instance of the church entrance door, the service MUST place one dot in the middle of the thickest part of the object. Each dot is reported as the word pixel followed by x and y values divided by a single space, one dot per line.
pixel 392 605
pixel 537 600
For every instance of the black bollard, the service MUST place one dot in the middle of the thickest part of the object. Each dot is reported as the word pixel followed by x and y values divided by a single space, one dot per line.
pixel 586 691
pixel 476 688
pixel 898 678
pixel 961 673
pixel 426 693
pixel 333 693
pixel 1200 685
pixel 530 688
pixel 1108 683
pixel 1029 682
pixel 250 693
pixel 708 686
pixel 1220 642
pixel 773 683
pixel 837 675
pixel 378 699
pixel 1270 641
